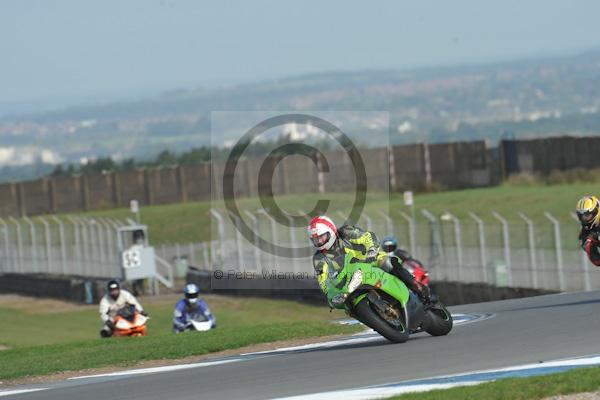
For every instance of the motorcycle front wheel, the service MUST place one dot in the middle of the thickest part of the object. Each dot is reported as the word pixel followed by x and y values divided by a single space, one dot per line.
pixel 394 332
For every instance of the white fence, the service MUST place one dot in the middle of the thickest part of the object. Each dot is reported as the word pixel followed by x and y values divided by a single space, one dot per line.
pixel 70 246
pixel 475 249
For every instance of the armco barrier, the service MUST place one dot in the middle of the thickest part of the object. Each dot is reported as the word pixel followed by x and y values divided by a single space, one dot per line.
pixel 452 293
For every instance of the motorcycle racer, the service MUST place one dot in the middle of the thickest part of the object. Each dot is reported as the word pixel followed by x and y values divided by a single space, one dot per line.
pixel 333 244
pixel 189 306
pixel 113 300
pixel 389 244
pixel 588 212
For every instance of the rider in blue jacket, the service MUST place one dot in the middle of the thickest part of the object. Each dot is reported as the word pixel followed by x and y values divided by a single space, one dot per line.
pixel 189 306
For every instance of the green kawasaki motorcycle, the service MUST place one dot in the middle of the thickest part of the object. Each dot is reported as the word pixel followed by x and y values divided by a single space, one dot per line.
pixel 383 302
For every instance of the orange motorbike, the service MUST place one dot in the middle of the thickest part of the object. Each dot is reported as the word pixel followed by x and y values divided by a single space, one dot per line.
pixel 129 322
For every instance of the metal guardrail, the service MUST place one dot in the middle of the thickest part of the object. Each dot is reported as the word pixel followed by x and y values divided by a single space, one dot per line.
pixel 518 253
pixel 475 249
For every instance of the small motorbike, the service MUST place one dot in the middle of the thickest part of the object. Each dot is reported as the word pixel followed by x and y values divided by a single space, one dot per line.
pixel 198 322
pixel 129 322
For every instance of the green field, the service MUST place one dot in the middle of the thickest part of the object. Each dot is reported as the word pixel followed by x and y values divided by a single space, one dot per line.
pixel 539 387
pixel 50 336
pixel 191 222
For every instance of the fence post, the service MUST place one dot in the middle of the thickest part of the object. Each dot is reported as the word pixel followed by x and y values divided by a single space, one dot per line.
pixel 273 234
pixel 506 243
pixel 389 225
pixel 436 243
pixel 256 244
pixel 86 245
pixel 61 238
pixel 411 233
pixel 110 256
pixel 205 255
pixel 48 240
pixel 458 243
pixel 558 248
pixel 293 243
pixel 585 266
pixel 482 253
pixel 93 240
pixel 177 252
pixel 531 244
pixel 308 239
pixel 77 244
pixel 221 230
pixel 115 244
pixel 238 242
pixel 192 251
pixel 101 248
pixel 32 233
pixel 6 246
pixel 19 242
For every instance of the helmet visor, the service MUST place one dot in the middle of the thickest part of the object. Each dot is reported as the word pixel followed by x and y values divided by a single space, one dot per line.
pixel 320 240
pixel 388 247
pixel 586 217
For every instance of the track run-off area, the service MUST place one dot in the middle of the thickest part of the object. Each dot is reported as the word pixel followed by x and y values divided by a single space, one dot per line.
pixel 520 337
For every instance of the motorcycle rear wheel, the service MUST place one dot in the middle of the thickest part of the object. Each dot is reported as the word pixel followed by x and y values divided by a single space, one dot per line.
pixel 439 320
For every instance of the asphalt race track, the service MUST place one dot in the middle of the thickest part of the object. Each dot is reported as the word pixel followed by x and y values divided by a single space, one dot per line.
pixel 521 331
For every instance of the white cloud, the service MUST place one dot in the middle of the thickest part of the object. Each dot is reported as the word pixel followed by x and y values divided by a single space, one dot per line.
pixel 14 156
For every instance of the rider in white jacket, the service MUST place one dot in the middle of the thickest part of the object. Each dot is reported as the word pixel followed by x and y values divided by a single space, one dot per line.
pixel 112 302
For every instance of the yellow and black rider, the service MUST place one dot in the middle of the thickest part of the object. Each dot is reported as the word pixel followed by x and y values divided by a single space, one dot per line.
pixel 588 212
pixel 333 244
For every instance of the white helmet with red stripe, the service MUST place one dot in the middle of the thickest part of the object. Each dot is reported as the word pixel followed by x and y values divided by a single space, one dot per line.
pixel 322 232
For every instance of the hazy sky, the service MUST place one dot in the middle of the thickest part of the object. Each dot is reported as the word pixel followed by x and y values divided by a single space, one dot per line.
pixel 55 49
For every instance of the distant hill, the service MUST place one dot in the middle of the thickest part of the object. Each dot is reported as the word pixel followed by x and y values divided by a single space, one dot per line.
pixel 522 98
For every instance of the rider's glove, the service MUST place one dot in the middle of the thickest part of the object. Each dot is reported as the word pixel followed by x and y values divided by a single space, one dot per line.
pixel 371 255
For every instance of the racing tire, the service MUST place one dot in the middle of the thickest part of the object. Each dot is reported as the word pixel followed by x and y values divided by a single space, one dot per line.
pixel 369 317
pixel 438 320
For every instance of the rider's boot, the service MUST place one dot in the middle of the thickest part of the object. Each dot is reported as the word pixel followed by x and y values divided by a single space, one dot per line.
pixel 409 280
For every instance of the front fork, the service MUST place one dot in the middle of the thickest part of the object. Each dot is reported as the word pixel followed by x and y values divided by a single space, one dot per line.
pixel 383 306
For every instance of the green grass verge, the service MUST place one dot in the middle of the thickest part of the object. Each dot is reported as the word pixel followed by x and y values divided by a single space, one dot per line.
pixel 41 360
pixel 190 222
pixel 48 341
pixel 539 387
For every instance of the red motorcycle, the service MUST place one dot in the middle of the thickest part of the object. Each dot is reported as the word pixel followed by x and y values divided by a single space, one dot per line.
pixel 417 270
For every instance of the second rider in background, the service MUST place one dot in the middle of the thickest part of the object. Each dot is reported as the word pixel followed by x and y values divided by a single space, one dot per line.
pixel 588 212
pixel 190 306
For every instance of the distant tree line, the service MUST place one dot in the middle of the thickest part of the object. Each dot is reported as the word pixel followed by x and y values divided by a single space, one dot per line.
pixel 168 158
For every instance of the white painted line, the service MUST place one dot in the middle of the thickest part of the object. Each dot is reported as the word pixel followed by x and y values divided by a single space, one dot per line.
pixel 372 336
pixel 167 368
pixel 19 391
pixel 376 393
pixel 367 336
pixel 358 338
pixel 449 381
